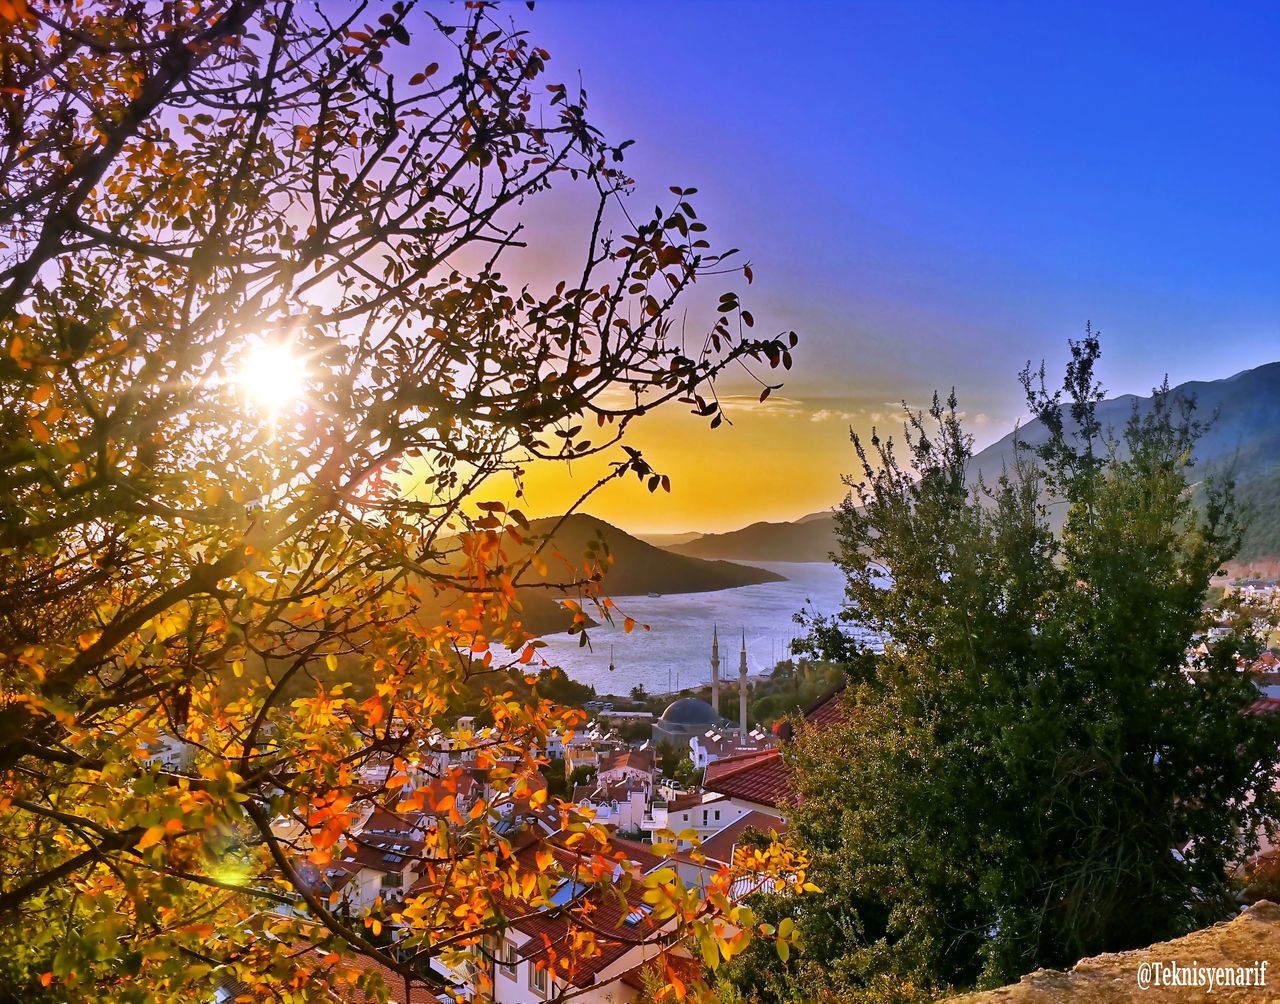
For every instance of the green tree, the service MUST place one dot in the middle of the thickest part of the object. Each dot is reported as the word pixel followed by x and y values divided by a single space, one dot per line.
pixel 686 773
pixel 1030 773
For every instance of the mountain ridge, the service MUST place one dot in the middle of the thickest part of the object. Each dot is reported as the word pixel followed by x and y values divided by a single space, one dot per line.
pixel 1243 440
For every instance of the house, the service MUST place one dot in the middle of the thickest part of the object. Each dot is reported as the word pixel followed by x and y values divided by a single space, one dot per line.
pixel 759 781
pixel 719 847
pixel 622 804
pixel 713 745
pixel 392 862
pixel 581 750
pixel 698 811
pixel 170 752
pixel 626 765
pixel 532 960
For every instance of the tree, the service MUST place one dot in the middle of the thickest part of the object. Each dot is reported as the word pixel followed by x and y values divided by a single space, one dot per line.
pixel 686 773
pixel 266 399
pixel 1030 773
pixel 581 774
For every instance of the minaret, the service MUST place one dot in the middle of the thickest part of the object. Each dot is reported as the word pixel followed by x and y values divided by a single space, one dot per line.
pixel 715 670
pixel 742 689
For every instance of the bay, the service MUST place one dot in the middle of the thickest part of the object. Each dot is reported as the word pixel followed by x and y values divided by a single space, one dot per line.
pixel 676 651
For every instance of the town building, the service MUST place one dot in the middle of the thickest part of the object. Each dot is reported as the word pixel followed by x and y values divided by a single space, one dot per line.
pixel 683 719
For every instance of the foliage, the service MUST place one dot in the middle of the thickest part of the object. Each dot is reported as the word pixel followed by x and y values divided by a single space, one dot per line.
pixel 581 774
pixel 686 773
pixel 1262 878
pixel 266 397
pixel 1027 775
pixel 669 753
pixel 791 688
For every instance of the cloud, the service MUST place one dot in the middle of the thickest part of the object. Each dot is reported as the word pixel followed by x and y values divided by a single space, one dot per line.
pixel 830 414
pixel 771 407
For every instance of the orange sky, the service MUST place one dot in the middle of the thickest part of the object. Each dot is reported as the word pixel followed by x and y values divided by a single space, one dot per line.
pixel 777 461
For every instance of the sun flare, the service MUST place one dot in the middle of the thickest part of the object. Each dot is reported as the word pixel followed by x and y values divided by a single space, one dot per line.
pixel 272 376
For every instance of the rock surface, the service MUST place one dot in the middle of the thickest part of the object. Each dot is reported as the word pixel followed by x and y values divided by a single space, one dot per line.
pixel 1246 941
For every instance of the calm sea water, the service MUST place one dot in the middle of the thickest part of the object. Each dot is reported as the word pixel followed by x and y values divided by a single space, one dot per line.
pixel 676 651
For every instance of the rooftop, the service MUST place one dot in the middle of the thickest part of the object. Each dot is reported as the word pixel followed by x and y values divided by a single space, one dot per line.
pixel 719 846
pixel 690 711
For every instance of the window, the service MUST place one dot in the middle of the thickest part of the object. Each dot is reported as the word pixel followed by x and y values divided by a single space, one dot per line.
pixel 392 880
pixel 537 980
pixel 509 959
pixel 717 815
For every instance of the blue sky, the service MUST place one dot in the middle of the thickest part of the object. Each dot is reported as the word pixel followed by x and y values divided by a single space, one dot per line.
pixel 935 192
pixel 932 195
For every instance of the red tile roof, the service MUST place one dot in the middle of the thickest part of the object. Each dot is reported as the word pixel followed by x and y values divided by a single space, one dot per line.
pixel 382 853
pixel 826 711
pixel 761 779
pixel 641 760
pixel 686 969
pixel 719 846
pixel 606 913
pixel 727 765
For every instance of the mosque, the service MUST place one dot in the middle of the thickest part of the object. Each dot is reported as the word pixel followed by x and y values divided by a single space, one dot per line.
pixel 691 716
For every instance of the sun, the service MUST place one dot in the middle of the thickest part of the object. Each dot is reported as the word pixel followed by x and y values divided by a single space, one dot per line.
pixel 272 376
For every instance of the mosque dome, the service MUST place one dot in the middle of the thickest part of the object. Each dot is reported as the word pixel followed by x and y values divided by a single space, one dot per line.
pixel 690 711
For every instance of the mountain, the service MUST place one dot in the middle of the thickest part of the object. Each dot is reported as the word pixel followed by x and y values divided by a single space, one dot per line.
pixel 1243 440
pixel 638 567
pixel 668 539
pixel 810 538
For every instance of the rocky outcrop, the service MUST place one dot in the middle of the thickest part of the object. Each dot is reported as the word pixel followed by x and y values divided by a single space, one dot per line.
pixel 1233 950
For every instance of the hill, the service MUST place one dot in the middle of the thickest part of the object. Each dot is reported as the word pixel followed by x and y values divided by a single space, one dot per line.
pixel 1243 440
pixel 668 539
pixel 811 538
pixel 638 567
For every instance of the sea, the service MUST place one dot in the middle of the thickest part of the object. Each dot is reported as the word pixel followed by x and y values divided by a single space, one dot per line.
pixel 675 652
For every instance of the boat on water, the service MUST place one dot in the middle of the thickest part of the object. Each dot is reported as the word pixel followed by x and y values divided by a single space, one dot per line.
pixel 655 595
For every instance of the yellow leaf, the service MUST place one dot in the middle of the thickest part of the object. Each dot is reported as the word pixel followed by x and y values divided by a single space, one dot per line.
pixel 331 661
pixel 711 951
pixel 152 837
pixel 237 667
